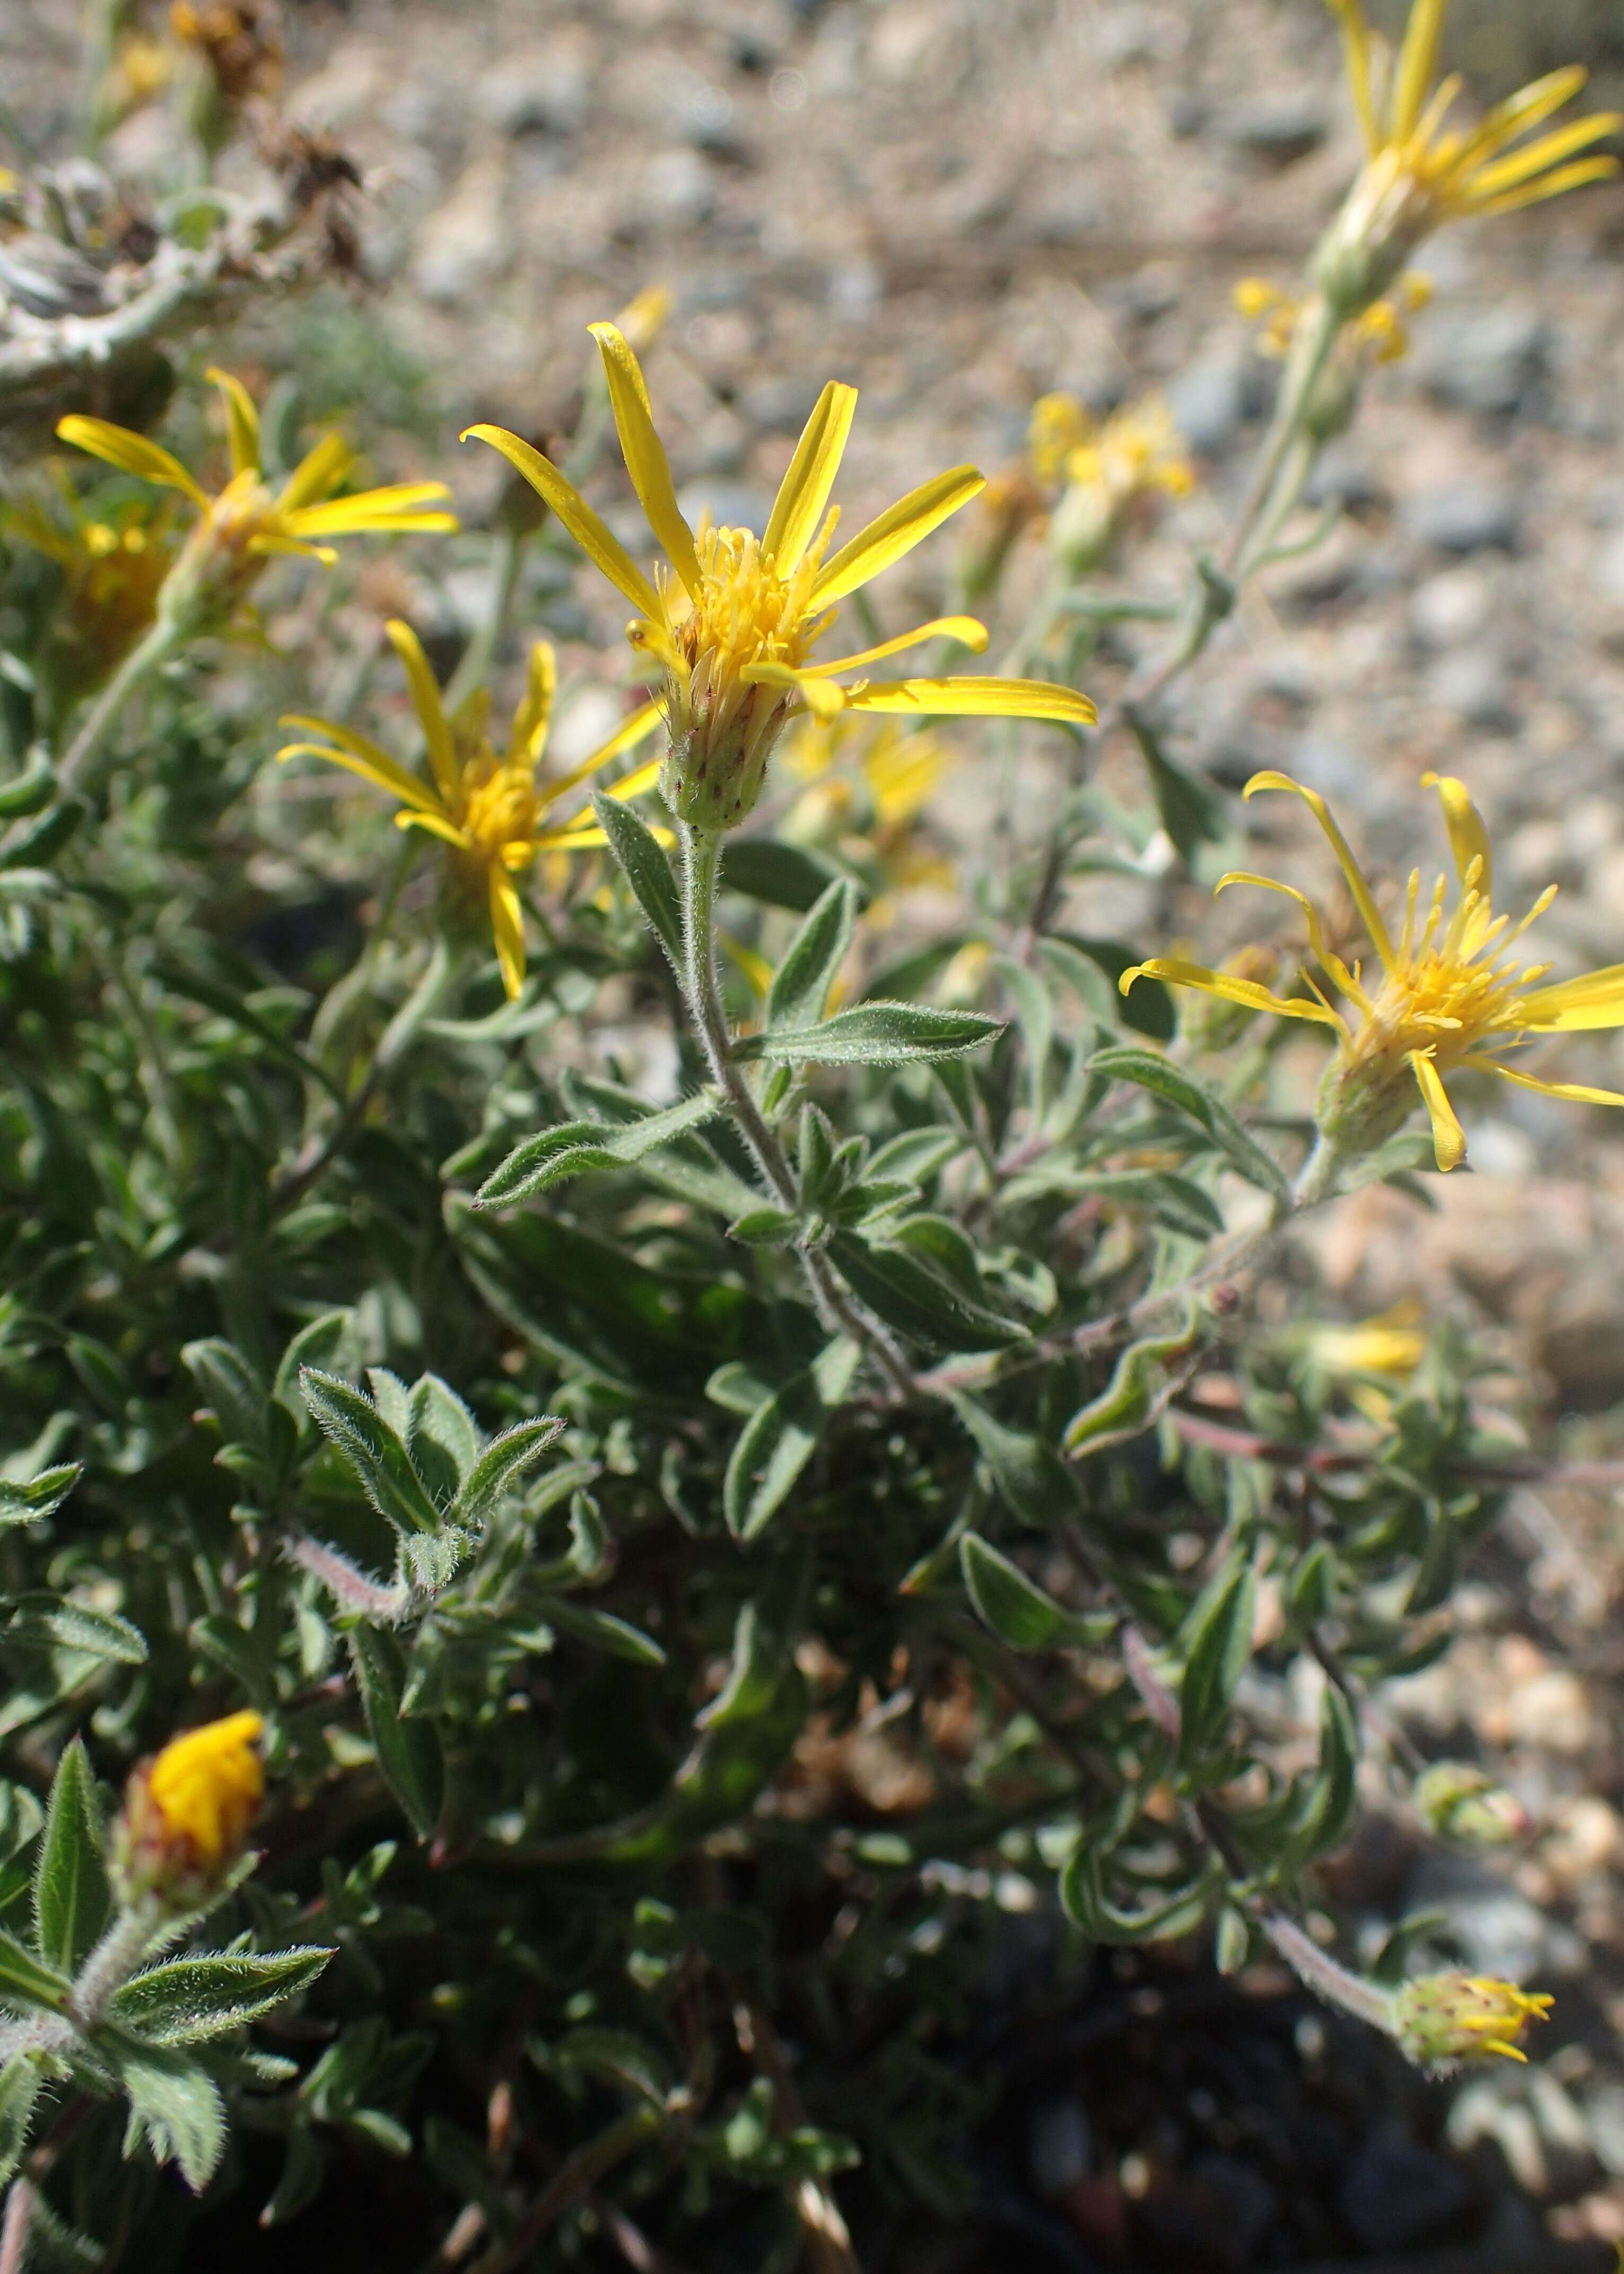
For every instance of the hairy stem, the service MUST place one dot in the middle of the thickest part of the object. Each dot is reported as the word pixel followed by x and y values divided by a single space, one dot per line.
pixel 701 861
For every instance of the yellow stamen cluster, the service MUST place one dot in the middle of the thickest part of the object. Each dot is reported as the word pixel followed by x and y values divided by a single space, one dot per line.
pixel 730 625
pixel 241 527
pixel 1419 173
pixel 1451 993
pixel 491 807
pixel 1440 2019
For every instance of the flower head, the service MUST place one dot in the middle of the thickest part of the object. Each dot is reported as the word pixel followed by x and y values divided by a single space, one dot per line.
pixel 187 1812
pixel 1440 2019
pixel 113 566
pixel 729 626
pixel 1106 467
pixel 1449 992
pixel 1419 175
pixel 241 527
pixel 1458 1802
pixel 491 807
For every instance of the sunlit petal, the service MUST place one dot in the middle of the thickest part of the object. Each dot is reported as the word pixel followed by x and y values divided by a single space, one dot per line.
pixel 508 924
pixel 1448 1137
pixel 317 474
pixel 645 457
pixel 426 703
pixel 1469 840
pixel 242 421
pixel 132 453
pixel 976 698
pixel 965 630
pixel 805 491
pixel 626 736
pixel 1571 1092
pixel 360 756
pixel 895 532
pixel 604 550
pixel 1575 1006
pixel 1370 914
pixel 1175 973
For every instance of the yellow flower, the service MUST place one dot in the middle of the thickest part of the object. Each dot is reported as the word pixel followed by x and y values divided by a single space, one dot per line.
pixel 187 1813
pixel 1450 992
pixel 1417 176
pixel 491 808
pixel 113 566
pixel 730 625
pixel 1136 452
pixel 1439 2019
pixel 1395 1344
pixel 1380 332
pixel 239 42
pixel 240 528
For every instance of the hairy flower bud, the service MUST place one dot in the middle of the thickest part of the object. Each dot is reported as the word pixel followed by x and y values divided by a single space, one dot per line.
pixel 1459 1803
pixel 1440 2019
pixel 187 1813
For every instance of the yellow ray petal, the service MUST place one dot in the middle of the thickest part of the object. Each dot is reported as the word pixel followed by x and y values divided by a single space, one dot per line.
pixel 1369 912
pixel 1448 1137
pixel 1528 108
pixel 895 532
pixel 395 507
pixel 645 457
pixel 1175 973
pixel 1322 955
pixel 968 632
pixel 242 421
pixel 1417 67
pixel 426 703
pixel 1575 1005
pixel 976 698
pixel 357 756
pixel 603 550
pixel 1469 840
pixel 1541 155
pixel 437 825
pixel 805 490
pixel 626 736
pixel 268 541
pixel 1357 52
pixel 535 713
pixel 132 453
pixel 317 474
pixel 821 697
pixel 582 827
pixel 1576 177
pixel 1574 1093
pixel 508 924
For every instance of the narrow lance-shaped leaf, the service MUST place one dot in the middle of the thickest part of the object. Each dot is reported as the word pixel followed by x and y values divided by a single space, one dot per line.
pixel 1015 1609
pixel 501 1465
pixel 188 2000
pixel 875 1033
pixel 576 1147
pixel 373 1449
pixel 70 1894
pixel 1180 1089
pixel 643 864
pixel 409 1751
pixel 802 981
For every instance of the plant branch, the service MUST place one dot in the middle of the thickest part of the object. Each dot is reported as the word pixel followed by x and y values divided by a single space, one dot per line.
pixel 701 861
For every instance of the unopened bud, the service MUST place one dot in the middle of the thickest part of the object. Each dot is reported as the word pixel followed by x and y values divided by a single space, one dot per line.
pixel 1459 1803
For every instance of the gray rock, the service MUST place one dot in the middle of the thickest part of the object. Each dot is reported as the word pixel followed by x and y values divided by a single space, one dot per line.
pixel 1610 566
pixel 731 505
pixel 1188 114
pixel 1496 1929
pixel 1475 682
pixel 1489 360
pixel 677 186
pixel 1396 2193
pixel 1452 608
pixel 1210 403
pixel 1464 517
pixel 535 94
pixel 1064 215
pixel 1279 129
pixel 1342 476
pixel 779 406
